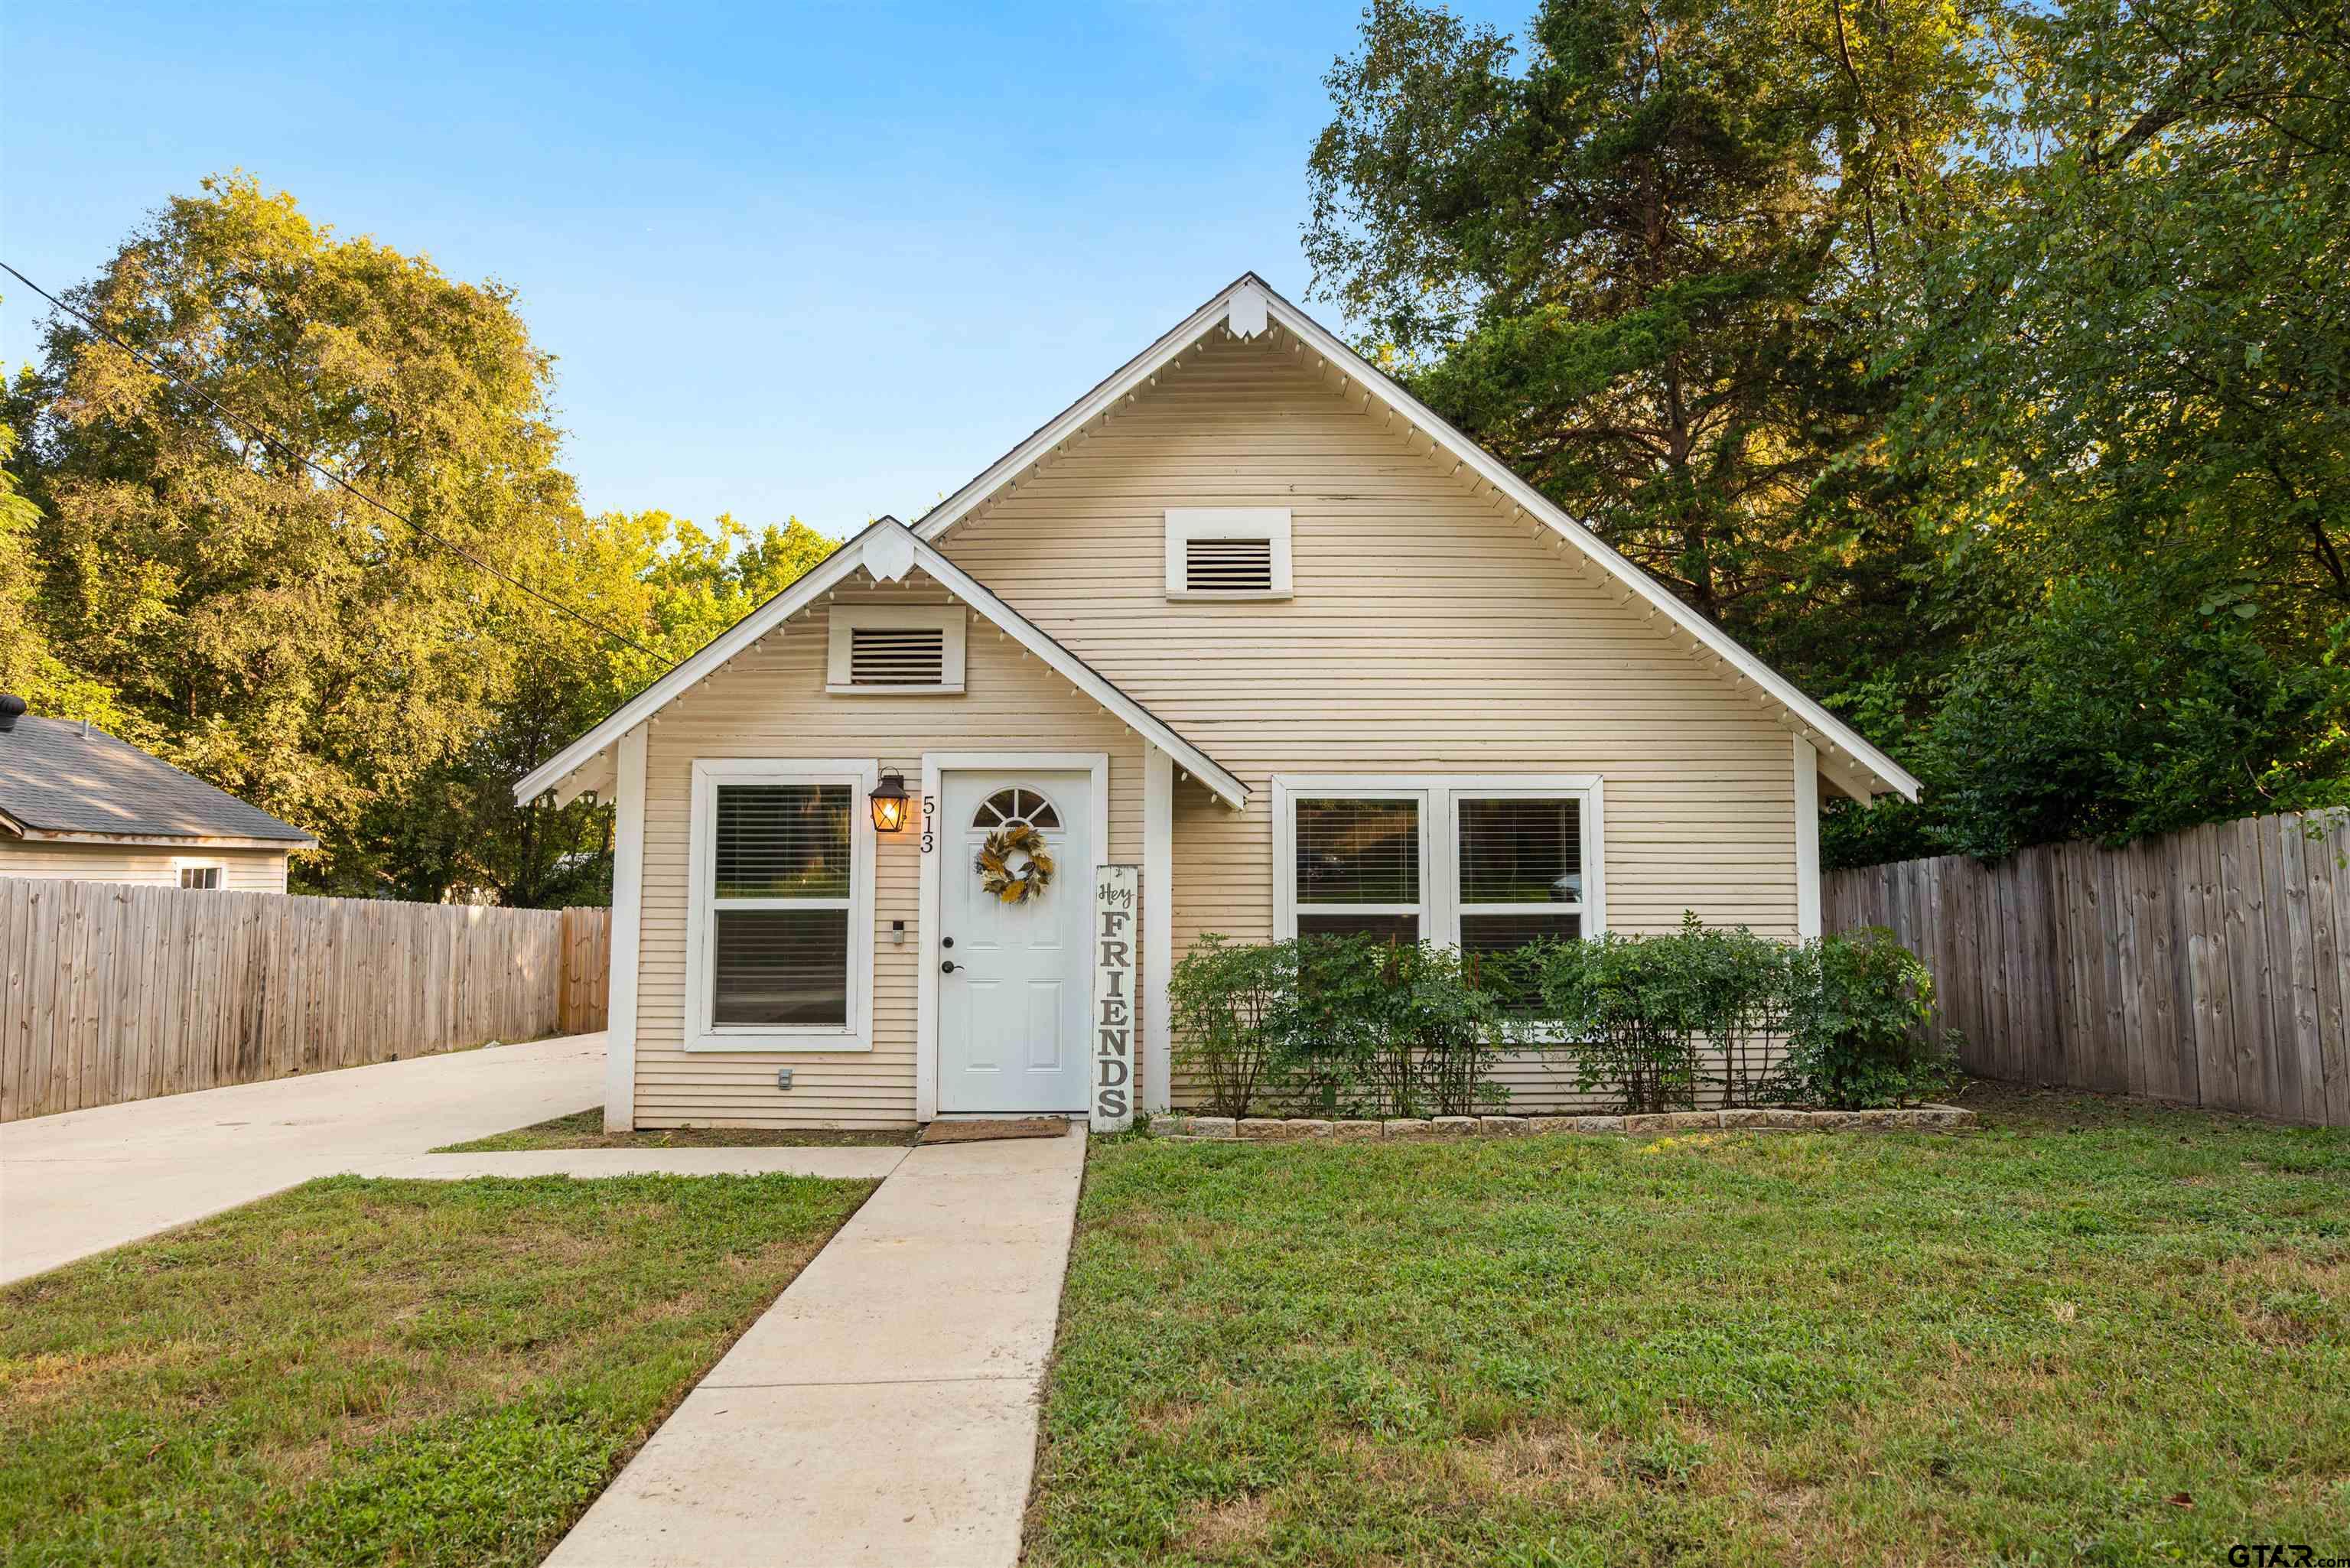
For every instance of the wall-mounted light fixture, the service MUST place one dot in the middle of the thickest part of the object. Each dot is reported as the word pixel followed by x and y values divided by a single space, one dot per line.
pixel 888 799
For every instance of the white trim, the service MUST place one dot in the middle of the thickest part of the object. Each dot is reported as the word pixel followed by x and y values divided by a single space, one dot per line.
pixel 1244 305
pixel 1185 523
pixel 888 549
pixel 702 1033
pixel 1156 1070
pixel 184 864
pixel 931 898
pixel 628 926
pixel 1440 847
pixel 1807 839
pixel 948 620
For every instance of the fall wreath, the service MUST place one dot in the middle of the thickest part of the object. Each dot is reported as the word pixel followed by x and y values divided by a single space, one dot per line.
pixel 994 864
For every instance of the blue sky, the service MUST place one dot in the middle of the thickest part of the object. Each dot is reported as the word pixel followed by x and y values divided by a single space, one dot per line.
pixel 823 261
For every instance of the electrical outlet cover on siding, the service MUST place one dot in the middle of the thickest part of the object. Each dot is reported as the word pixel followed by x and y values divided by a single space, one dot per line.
pixel 880 668
pixel 1222 565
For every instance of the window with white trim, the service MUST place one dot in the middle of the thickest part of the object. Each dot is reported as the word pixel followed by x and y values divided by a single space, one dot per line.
pixel 1484 864
pixel 206 876
pixel 1357 862
pixel 780 951
pixel 895 650
pixel 1228 553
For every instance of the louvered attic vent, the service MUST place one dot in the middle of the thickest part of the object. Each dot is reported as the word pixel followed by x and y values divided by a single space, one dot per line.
pixel 1227 552
pixel 1228 565
pixel 879 650
pixel 897 656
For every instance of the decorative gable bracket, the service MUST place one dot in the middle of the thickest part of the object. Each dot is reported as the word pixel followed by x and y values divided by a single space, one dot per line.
pixel 1245 315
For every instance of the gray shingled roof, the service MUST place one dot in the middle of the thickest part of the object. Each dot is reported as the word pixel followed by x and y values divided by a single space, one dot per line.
pixel 55 779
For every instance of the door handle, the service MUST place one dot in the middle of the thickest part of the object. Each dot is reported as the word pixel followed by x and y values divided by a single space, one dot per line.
pixel 948 967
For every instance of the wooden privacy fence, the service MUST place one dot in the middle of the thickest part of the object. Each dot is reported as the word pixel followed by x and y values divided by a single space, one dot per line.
pixel 111 993
pixel 2211 966
pixel 587 970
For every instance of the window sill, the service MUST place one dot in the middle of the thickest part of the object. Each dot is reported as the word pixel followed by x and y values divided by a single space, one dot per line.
pixel 767 1042
pixel 1236 595
pixel 831 690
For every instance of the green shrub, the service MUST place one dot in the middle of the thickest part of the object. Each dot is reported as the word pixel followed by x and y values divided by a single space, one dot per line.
pixel 1630 1008
pixel 1857 1038
pixel 1356 1026
pixel 1336 1026
pixel 1231 1004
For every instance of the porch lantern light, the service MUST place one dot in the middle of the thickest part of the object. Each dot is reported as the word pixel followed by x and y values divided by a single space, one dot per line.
pixel 888 799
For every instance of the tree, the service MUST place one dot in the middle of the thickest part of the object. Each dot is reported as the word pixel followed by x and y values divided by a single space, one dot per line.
pixel 276 637
pixel 2126 392
pixel 29 665
pixel 199 588
pixel 673 586
pixel 1636 264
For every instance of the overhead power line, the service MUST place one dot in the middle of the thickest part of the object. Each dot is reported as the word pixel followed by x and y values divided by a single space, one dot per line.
pixel 260 433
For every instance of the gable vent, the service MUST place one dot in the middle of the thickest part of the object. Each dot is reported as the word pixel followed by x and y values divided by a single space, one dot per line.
pixel 897 656
pixel 1228 565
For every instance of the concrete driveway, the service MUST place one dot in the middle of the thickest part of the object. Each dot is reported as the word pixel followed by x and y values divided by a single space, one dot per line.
pixel 81 1182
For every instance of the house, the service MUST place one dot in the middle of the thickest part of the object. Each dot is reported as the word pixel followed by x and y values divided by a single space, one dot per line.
pixel 1247 615
pixel 77 803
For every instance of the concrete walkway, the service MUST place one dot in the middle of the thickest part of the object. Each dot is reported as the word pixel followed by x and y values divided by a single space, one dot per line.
pixel 884 1410
pixel 83 1181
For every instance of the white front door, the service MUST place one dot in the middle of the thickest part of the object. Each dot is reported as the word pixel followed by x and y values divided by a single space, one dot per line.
pixel 1015 982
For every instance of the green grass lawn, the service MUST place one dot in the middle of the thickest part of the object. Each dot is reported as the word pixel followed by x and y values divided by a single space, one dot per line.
pixel 2090 1332
pixel 378 1371
pixel 585 1129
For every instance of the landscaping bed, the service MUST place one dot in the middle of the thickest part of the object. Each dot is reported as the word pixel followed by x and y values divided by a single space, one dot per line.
pixel 402 1372
pixel 2088 1331
pixel 1184 1126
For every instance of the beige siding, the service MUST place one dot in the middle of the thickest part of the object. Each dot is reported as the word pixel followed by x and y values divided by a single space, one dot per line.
pixel 1427 633
pixel 773 704
pixel 242 870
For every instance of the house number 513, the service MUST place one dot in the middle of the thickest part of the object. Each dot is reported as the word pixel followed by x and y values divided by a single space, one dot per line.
pixel 930 835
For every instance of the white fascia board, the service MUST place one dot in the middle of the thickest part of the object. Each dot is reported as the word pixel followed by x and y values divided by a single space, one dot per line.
pixel 1247 300
pixel 1082 676
pixel 888 550
pixel 683 676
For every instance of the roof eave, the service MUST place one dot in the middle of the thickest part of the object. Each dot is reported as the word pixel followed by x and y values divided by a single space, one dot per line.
pixel 1246 305
pixel 888 549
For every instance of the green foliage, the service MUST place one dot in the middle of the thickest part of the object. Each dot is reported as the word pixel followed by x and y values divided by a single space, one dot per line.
pixel 1658 1021
pixel 1230 1005
pixel 1858 1040
pixel 1631 252
pixel 1634 1008
pixel 1393 1029
pixel 1983 365
pixel 1335 1025
pixel 1355 1026
pixel 205 595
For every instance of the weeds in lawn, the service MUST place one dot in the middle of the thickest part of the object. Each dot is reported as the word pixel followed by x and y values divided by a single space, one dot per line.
pixel 411 1373
pixel 2021 1344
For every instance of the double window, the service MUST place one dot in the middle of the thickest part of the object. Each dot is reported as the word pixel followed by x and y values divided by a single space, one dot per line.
pixel 1484 864
pixel 780 944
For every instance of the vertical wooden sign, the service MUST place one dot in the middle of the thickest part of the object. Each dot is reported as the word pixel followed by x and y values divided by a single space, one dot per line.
pixel 1115 906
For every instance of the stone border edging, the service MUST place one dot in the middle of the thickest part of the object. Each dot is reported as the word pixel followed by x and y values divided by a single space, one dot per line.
pixel 1188 1129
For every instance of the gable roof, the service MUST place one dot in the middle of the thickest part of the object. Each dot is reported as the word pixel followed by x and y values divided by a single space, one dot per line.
pixel 60 781
pixel 1248 306
pixel 886 549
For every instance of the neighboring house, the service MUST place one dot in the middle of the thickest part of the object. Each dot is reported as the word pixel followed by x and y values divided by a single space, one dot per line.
pixel 1247 615
pixel 76 802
